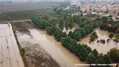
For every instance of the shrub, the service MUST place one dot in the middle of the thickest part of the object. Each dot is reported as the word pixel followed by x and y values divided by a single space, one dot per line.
pixel 91 58
pixel 114 54
pixel 111 35
pixel 22 51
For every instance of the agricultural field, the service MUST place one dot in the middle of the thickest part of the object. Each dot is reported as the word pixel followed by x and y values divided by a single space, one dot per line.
pixel 9 51
pixel 16 11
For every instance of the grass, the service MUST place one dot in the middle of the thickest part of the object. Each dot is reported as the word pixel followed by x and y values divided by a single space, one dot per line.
pixel 14 28
pixel 22 51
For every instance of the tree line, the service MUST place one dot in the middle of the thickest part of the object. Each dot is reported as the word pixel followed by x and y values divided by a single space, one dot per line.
pixel 69 41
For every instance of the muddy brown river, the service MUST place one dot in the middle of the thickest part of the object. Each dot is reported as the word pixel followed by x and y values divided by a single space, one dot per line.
pixel 54 48
pixel 101 48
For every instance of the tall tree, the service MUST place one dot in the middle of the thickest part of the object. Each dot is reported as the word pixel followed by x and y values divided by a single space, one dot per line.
pixel 77 35
pixel 67 23
pixel 107 59
pixel 91 58
pixel 71 23
pixel 61 24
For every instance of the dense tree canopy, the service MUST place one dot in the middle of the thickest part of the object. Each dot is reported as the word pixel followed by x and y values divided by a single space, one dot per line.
pixel 51 29
pixel 86 24
pixel 93 36
pixel 61 24
pixel 91 58
pixel 114 54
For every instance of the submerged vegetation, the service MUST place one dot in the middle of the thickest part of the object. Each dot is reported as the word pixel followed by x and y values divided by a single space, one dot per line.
pixel 84 52
pixel 93 36
pixel 22 51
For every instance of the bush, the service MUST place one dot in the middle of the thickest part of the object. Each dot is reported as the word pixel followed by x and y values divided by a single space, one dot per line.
pixel 91 59
pixel 95 53
pixel 93 36
pixel 114 54
pixel 22 51
pixel 58 34
pixel 111 35
pixel 51 30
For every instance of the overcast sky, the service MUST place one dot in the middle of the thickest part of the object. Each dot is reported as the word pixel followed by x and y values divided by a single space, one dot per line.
pixel 31 0
pixel 49 0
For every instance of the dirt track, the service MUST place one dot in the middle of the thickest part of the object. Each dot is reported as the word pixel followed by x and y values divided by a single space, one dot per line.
pixel 9 52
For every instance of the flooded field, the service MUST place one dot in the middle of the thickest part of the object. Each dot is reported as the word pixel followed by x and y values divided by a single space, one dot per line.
pixel 35 55
pixel 48 43
pixel 9 52
pixel 42 49
pixel 101 48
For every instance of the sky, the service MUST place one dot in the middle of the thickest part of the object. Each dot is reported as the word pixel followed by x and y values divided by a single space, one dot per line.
pixel 30 0
pixel 46 0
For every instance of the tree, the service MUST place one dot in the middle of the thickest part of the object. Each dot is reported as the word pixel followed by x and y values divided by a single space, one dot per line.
pixel 43 24
pixel 58 34
pixel 88 21
pixel 100 60
pixel 104 26
pixel 52 20
pixel 59 11
pixel 104 19
pixel 93 36
pixel 71 23
pixel 77 35
pixel 83 53
pixel 45 16
pixel 87 30
pixel 67 23
pixel 107 59
pixel 71 34
pixel 117 31
pixel 61 24
pixel 51 30
pixel 95 53
pixel 111 35
pixel 114 54
pixel 117 36
pixel 91 59
pixel 69 43
pixel 83 32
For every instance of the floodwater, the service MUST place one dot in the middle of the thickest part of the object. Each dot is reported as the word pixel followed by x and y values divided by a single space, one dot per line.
pixel 9 52
pixel 54 48
pixel 68 30
pixel 101 48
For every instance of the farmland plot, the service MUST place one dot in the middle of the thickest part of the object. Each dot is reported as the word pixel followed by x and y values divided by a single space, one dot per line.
pixel 9 52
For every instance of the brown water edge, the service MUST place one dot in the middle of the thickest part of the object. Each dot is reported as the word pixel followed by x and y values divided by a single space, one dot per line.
pixel 60 54
pixel 34 54
pixel 69 55
pixel 101 48
pixel 23 56
pixel 28 40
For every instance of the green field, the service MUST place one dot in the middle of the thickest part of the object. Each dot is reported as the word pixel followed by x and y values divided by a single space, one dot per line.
pixel 16 15
pixel 17 11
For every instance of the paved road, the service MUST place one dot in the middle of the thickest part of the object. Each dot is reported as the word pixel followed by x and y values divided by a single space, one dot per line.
pixel 9 52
